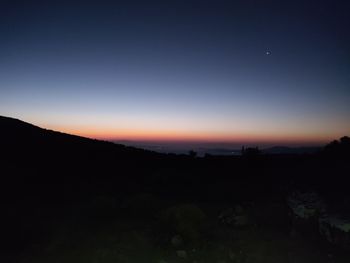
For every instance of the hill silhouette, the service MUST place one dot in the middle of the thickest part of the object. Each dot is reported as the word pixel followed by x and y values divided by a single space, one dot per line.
pixel 49 156
pixel 17 135
pixel 47 171
pixel 50 179
pixel 30 148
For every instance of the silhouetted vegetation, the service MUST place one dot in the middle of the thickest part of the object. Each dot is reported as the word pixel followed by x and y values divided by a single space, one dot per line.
pixel 339 148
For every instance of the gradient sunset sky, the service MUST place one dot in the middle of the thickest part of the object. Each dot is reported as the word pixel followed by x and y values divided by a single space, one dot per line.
pixel 217 71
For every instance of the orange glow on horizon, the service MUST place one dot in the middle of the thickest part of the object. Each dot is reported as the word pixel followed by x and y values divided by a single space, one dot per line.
pixel 193 136
pixel 238 131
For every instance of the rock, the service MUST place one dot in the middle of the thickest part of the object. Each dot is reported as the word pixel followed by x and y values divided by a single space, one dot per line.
pixel 305 210
pixel 306 205
pixel 176 241
pixel 226 216
pixel 235 217
pixel 241 220
pixel 181 254
pixel 309 213
pixel 335 229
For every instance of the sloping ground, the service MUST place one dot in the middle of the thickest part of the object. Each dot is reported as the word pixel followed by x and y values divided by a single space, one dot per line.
pixel 18 137
pixel 70 199
pixel 106 230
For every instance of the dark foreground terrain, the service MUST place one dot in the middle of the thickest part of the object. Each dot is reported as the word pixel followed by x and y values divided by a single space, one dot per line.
pixel 67 199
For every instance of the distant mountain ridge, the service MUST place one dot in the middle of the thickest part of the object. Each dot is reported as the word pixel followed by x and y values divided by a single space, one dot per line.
pixel 292 150
pixel 202 150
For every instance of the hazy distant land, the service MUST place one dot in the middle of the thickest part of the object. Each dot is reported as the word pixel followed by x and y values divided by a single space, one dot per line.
pixel 221 149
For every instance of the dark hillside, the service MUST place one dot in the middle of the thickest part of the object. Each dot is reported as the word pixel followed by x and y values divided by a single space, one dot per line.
pixel 62 195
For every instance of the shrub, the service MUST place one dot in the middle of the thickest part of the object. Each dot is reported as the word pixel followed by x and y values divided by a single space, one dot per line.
pixel 186 220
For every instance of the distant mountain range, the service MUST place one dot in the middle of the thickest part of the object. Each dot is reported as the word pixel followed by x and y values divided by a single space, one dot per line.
pixel 212 149
pixel 291 150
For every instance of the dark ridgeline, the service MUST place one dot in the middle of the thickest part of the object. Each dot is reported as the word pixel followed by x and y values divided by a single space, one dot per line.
pixel 50 161
pixel 46 174
pixel 339 149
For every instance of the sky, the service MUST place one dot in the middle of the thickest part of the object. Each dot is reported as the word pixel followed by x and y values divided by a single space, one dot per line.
pixel 262 72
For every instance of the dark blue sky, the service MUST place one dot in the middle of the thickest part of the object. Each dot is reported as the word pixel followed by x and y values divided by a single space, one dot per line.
pixel 244 71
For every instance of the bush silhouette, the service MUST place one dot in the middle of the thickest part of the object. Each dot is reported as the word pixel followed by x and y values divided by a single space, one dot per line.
pixel 185 220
